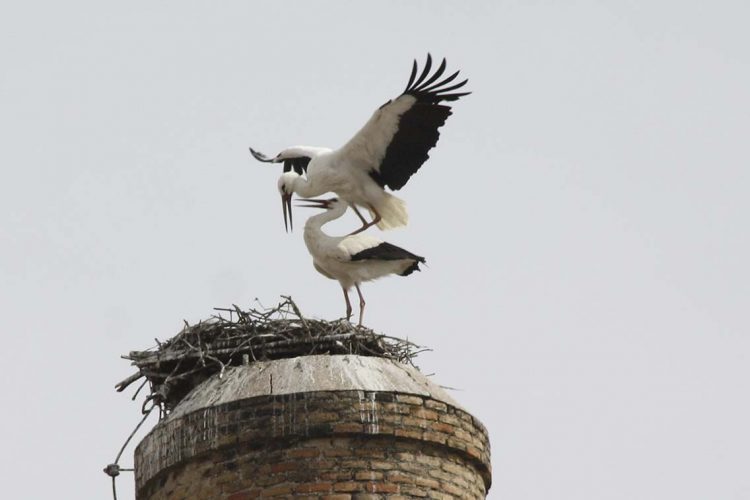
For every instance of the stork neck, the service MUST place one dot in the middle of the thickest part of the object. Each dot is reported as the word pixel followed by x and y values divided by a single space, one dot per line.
pixel 316 222
pixel 306 187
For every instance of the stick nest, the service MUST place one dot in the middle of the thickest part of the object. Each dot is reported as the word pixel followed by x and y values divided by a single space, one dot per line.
pixel 234 336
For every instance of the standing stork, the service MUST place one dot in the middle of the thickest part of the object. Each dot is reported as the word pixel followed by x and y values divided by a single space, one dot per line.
pixel 352 259
pixel 386 152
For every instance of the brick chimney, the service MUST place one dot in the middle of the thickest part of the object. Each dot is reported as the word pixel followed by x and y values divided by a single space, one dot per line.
pixel 334 427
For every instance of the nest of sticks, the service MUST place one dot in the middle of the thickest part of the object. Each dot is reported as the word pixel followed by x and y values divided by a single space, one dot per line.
pixel 233 336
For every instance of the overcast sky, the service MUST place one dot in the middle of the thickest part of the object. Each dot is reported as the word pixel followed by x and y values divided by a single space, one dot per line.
pixel 584 217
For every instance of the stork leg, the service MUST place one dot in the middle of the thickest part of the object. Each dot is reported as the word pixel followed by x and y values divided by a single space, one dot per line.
pixel 365 224
pixel 348 304
pixel 361 304
pixel 361 217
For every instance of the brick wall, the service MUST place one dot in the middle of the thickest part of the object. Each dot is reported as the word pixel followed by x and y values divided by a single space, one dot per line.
pixel 334 444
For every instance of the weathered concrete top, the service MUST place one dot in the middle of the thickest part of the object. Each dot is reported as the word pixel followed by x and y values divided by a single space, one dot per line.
pixel 310 374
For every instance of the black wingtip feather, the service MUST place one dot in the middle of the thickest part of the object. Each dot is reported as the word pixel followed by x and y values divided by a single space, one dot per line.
pixel 413 74
pixel 434 76
pixel 441 83
pixel 452 87
pixel 453 97
pixel 425 71
pixel 425 88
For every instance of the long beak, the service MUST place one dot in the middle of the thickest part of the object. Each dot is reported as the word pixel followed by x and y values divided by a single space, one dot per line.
pixel 313 203
pixel 286 204
pixel 261 157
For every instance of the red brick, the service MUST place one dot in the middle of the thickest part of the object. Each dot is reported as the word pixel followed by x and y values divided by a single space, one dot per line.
pixel 244 495
pixel 415 422
pixel 400 477
pixel 369 452
pixel 337 452
pixel 453 489
pixel 277 491
pixel 411 400
pixel 426 482
pixel 435 405
pixel 449 419
pixel 442 427
pixel 317 487
pixel 368 475
pixel 348 486
pixel 413 491
pixel 381 488
pixel 284 467
pixel 322 417
pixel 425 414
pixel 303 453
pixel 381 464
pixel 336 475
pixel 347 428
pixel 437 437
pixel 411 434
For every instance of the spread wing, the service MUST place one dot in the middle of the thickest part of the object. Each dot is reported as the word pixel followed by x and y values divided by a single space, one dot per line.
pixel 396 140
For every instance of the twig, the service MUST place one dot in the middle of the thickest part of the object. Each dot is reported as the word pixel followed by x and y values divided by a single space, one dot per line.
pixel 121 386
pixel 296 310
pixel 139 390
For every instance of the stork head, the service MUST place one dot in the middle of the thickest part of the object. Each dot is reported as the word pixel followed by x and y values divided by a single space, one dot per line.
pixel 286 186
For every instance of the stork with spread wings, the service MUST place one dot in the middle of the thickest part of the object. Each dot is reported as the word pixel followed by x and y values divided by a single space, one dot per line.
pixel 385 153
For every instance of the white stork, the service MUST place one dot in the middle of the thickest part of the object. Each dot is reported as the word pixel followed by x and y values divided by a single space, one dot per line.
pixel 386 152
pixel 352 259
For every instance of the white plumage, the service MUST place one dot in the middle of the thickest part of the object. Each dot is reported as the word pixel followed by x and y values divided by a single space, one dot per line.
pixel 353 259
pixel 386 152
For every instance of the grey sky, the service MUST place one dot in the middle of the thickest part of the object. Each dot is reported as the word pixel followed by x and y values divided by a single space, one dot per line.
pixel 584 217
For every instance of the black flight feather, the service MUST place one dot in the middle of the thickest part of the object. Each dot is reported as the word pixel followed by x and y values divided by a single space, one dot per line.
pixel 435 76
pixel 413 74
pixel 425 71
